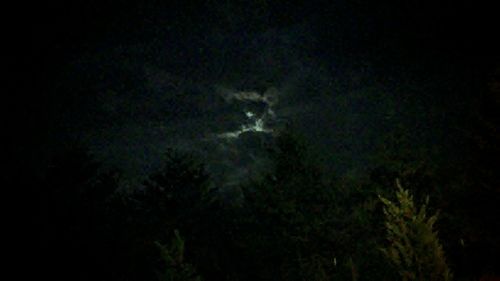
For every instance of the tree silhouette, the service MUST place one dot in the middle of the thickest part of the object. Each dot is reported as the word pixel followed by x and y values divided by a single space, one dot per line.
pixel 414 248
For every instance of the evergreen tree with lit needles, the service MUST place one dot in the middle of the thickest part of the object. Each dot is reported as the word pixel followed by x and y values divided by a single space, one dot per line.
pixel 414 248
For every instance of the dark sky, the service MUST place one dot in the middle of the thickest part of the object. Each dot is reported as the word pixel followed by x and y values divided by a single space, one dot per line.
pixel 131 79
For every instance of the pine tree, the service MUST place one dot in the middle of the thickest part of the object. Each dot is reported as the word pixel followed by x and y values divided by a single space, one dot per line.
pixel 414 247
pixel 176 268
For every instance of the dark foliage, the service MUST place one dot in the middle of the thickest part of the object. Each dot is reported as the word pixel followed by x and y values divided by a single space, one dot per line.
pixel 293 223
pixel 76 234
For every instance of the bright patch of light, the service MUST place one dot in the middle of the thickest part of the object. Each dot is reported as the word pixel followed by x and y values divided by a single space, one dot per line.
pixel 257 124
pixel 230 135
pixel 257 127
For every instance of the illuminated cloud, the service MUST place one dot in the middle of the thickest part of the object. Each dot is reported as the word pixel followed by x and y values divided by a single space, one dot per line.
pixel 254 124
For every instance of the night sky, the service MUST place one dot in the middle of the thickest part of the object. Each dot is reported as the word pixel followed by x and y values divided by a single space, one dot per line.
pixel 261 135
pixel 220 78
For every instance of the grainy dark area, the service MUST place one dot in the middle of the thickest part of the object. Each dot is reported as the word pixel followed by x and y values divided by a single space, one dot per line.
pixel 253 140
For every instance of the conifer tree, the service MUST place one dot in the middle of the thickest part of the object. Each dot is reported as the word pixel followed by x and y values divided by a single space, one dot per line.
pixel 414 247
pixel 176 268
